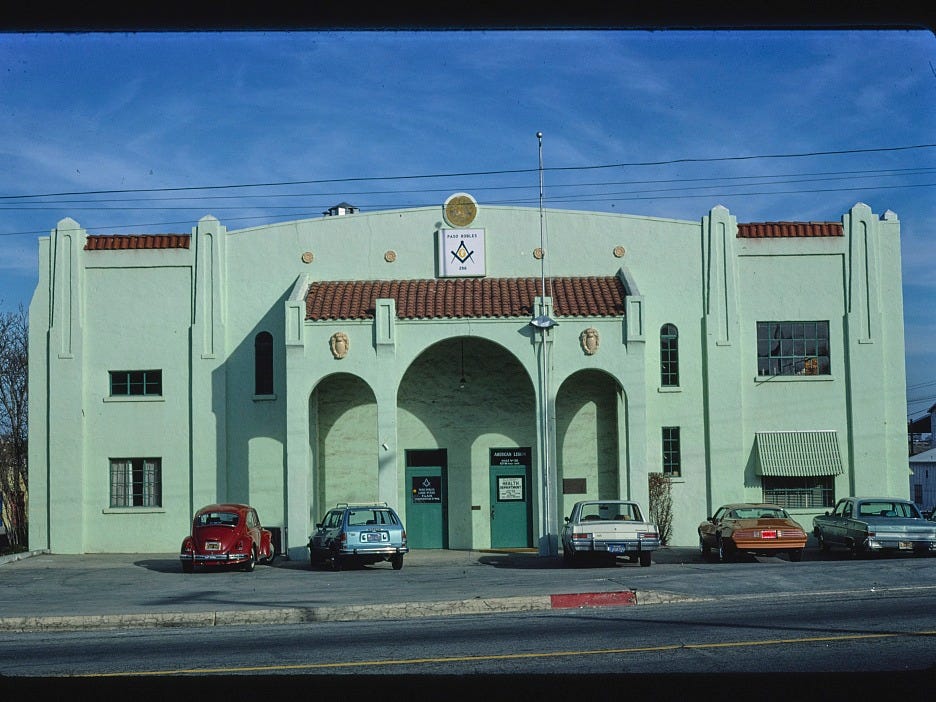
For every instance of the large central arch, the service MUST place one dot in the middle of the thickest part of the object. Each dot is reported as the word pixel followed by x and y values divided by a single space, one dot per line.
pixel 466 396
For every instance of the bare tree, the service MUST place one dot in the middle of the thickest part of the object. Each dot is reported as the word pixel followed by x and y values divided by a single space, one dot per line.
pixel 661 505
pixel 14 432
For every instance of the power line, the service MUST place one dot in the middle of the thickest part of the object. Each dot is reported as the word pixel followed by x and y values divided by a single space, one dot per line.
pixel 477 173
pixel 712 182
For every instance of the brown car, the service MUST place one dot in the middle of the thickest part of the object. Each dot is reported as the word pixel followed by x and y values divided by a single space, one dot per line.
pixel 757 528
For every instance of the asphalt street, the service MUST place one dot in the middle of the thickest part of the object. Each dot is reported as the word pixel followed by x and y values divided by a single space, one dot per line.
pixel 48 592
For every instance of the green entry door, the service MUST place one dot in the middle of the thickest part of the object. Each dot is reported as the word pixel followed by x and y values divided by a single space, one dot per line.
pixel 510 498
pixel 427 504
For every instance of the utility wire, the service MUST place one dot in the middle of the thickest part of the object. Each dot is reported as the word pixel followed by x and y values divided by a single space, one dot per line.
pixel 480 173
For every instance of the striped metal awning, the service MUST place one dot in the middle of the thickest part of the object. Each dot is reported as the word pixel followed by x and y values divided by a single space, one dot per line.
pixel 798 453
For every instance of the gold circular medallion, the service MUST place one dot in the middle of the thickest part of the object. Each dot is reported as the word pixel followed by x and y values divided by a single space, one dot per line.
pixel 460 210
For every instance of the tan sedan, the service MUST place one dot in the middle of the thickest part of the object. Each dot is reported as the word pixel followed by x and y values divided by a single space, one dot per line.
pixel 746 527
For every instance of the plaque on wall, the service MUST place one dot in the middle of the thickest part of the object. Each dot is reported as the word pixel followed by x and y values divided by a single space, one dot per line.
pixel 574 486
pixel 461 253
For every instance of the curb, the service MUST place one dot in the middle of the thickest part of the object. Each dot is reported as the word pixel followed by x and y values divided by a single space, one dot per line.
pixel 11 557
pixel 301 615
pixel 407 610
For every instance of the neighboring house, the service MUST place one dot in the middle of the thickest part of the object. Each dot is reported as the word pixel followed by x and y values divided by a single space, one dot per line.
pixel 920 432
pixel 923 480
pixel 411 356
pixel 923 463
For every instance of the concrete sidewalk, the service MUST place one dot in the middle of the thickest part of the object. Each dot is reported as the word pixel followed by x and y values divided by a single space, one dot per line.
pixel 50 592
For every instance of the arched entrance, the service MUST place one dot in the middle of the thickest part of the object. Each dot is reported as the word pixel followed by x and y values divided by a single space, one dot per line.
pixel 466 397
pixel 587 436
pixel 343 422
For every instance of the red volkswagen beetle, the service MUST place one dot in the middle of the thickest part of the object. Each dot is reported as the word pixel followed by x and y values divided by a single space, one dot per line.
pixel 227 535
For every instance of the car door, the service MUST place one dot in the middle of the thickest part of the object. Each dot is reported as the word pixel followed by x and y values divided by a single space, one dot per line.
pixel 566 534
pixel 709 528
pixel 838 523
pixel 253 530
pixel 328 531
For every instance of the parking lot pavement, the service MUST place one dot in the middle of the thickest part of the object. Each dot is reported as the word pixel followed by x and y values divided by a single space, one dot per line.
pixel 59 592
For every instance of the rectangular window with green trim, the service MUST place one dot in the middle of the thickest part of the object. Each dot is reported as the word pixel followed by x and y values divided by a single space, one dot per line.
pixel 812 492
pixel 793 348
pixel 672 462
pixel 125 383
pixel 135 482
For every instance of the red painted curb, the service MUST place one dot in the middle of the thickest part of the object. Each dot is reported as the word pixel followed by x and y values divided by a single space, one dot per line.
pixel 593 599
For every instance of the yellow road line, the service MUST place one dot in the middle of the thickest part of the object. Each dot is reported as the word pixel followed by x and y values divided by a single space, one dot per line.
pixel 510 656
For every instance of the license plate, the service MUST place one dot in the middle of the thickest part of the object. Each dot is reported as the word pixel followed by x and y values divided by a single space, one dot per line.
pixel 373 536
pixel 905 545
pixel 769 534
pixel 616 549
pixel 212 545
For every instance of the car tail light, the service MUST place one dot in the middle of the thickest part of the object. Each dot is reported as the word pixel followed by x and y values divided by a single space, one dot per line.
pixel 646 535
pixel 343 537
pixel 404 537
pixel 239 546
pixel 585 535
pixel 769 534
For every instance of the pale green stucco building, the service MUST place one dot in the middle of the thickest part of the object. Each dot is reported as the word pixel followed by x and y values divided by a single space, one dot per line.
pixel 390 356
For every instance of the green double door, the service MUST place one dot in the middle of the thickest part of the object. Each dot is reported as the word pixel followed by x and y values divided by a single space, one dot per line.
pixel 427 498
pixel 511 507
pixel 427 504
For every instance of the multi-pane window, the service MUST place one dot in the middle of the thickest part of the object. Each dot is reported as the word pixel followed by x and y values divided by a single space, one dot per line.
pixel 136 382
pixel 793 348
pixel 263 364
pixel 135 482
pixel 800 492
pixel 672 464
pixel 669 356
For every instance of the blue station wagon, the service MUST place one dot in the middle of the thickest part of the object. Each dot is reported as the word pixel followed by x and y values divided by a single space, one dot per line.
pixel 358 533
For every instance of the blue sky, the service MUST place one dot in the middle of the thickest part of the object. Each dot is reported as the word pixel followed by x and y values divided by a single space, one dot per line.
pixel 290 113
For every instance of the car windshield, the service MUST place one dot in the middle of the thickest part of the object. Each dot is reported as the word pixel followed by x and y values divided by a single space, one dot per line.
pixel 368 517
pixel 757 513
pixel 887 509
pixel 217 519
pixel 609 511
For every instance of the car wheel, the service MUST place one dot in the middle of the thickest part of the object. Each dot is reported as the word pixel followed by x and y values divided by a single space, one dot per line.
pixel 251 560
pixel 796 555
pixel 704 548
pixel 823 544
pixel 397 561
pixel 188 567
pixel 645 559
pixel 725 551
pixel 269 559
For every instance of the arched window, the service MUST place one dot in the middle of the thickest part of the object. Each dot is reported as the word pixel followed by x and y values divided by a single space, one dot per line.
pixel 263 364
pixel 669 356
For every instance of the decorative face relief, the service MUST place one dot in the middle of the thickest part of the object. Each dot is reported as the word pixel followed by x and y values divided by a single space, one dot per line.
pixel 340 345
pixel 590 341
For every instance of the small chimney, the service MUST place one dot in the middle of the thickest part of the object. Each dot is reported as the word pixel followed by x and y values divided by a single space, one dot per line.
pixel 340 210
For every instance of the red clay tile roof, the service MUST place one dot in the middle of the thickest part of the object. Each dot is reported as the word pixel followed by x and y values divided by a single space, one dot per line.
pixel 465 297
pixel 778 230
pixel 110 242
